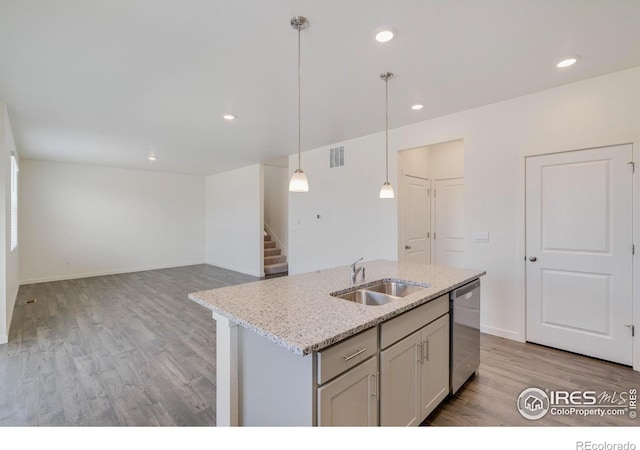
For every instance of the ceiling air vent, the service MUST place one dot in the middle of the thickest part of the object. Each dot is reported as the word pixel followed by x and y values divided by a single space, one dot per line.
pixel 336 157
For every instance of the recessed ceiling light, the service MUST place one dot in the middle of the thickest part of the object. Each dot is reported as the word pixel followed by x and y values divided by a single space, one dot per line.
pixel 417 107
pixel 567 62
pixel 385 34
pixel 152 158
pixel 229 117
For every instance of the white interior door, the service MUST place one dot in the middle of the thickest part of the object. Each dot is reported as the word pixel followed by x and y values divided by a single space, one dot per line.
pixel 448 231
pixel 417 218
pixel 579 251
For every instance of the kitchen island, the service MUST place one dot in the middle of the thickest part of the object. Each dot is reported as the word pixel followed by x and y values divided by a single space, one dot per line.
pixel 278 340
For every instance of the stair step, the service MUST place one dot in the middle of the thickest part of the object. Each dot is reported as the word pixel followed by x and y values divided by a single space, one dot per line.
pixel 272 251
pixel 269 260
pixel 267 237
pixel 276 268
pixel 269 244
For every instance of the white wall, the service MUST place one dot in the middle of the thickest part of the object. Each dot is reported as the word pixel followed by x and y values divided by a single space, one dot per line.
pixel 435 162
pixel 234 220
pixel 446 160
pixel 596 112
pixel 79 220
pixel 353 221
pixel 276 204
pixel 414 162
pixel 9 260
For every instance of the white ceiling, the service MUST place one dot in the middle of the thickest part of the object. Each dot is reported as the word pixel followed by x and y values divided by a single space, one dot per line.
pixel 107 82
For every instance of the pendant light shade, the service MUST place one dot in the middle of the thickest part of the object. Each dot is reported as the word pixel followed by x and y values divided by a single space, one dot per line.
pixel 299 181
pixel 387 190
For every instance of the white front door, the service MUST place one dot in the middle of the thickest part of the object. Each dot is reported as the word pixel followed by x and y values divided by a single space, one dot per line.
pixel 579 251
pixel 448 232
pixel 417 219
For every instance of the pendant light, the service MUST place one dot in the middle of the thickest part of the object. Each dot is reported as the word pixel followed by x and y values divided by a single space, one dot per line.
pixel 387 190
pixel 299 182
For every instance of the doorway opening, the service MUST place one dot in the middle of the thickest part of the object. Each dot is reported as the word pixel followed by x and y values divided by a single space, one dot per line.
pixel 276 218
pixel 431 219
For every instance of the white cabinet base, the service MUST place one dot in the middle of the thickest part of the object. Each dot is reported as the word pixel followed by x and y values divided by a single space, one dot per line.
pixel 415 375
pixel 351 399
pixel 260 383
pixel 400 383
pixel 435 367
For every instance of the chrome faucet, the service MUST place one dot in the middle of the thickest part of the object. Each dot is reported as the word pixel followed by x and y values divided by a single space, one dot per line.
pixel 354 271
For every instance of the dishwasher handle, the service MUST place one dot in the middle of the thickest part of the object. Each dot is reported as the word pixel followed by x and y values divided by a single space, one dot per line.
pixel 466 289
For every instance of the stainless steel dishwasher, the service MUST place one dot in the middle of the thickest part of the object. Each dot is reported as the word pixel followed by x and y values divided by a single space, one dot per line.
pixel 464 304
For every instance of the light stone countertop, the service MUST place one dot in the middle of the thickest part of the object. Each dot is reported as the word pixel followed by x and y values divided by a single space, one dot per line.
pixel 298 312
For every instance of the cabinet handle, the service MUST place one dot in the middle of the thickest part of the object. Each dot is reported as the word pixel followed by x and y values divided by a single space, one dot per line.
pixel 356 353
pixel 426 344
pixel 375 375
pixel 420 352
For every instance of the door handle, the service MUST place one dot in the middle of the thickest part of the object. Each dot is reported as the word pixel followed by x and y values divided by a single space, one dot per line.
pixel 533 259
pixel 407 247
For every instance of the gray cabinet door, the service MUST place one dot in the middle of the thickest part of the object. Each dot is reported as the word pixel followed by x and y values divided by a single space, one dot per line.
pixel 434 376
pixel 352 398
pixel 400 383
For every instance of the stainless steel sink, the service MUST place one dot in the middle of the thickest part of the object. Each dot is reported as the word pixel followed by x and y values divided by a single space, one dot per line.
pixel 366 297
pixel 395 288
pixel 378 293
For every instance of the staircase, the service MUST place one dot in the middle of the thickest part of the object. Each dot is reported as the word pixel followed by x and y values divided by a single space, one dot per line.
pixel 275 263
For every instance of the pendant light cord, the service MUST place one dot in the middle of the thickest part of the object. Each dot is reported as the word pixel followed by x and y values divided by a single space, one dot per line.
pixel 386 90
pixel 299 104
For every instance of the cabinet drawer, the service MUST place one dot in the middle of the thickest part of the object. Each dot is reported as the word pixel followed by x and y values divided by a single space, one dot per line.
pixel 395 329
pixel 346 354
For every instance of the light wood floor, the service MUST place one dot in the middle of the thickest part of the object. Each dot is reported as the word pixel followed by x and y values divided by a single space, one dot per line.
pixel 133 350
pixel 508 367
pixel 127 349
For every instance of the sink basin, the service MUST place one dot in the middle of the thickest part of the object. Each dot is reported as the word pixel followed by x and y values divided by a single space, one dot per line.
pixel 395 288
pixel 366 297
pixel 379 293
